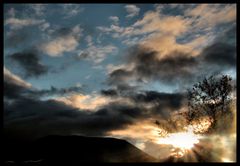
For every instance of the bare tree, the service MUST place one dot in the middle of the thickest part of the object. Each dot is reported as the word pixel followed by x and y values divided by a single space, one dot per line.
pixel 209 97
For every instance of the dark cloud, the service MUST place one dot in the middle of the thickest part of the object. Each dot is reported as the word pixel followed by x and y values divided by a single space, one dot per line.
pixel 119 109
pixel 170 69
pixel 161 104
pixel 121 89
pixel 170 100
pixel 109 92
pixel 30 62
pixel 56 91
pixel 119 76
pixel 221 54
pixel 31 117
pixel 127 88
pixel 163 100
pixel 39 118
pixel 229 36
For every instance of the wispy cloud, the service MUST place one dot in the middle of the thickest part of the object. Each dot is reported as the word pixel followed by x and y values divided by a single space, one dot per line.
pixel 16 23
pixel 154 21
pixel 209 15
pixel 89 40
pixel 44 26
pixel 97 53
pixel 71 10
pixel 132 10
pixel 115 19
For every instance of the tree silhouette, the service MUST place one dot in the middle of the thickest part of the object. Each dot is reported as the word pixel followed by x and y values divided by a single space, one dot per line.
pixel 209 97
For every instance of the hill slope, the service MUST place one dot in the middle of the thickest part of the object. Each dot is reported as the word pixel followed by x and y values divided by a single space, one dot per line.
pixel 74 150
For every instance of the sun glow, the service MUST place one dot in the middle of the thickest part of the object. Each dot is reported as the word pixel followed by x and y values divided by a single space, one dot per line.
pixel 183 140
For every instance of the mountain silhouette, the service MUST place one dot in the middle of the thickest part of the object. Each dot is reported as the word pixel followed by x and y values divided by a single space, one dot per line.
pixel 72 150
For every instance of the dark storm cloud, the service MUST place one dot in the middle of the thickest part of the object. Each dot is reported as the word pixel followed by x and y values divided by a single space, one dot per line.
pixel 40 118
pixel 177 65
pixel 30 62
pixel 147 66
pixel 13 91
pixel 229 36
pixel 161 104
pixel 221 54
pixel 56 91
pixel 167 100
pixel 125 89
pixel 121 89
pixel 119 109
pixel 170 100
pixel 31 117
pixel 119 76
pixel 109 92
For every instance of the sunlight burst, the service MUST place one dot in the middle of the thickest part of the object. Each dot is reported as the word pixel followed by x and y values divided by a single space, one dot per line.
pixel 185 140
pixel 181 141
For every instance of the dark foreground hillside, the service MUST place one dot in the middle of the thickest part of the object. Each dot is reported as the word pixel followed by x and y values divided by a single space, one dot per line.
pixel 71 150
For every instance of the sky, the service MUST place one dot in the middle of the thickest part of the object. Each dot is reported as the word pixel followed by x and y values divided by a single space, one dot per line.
pixel 109 69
